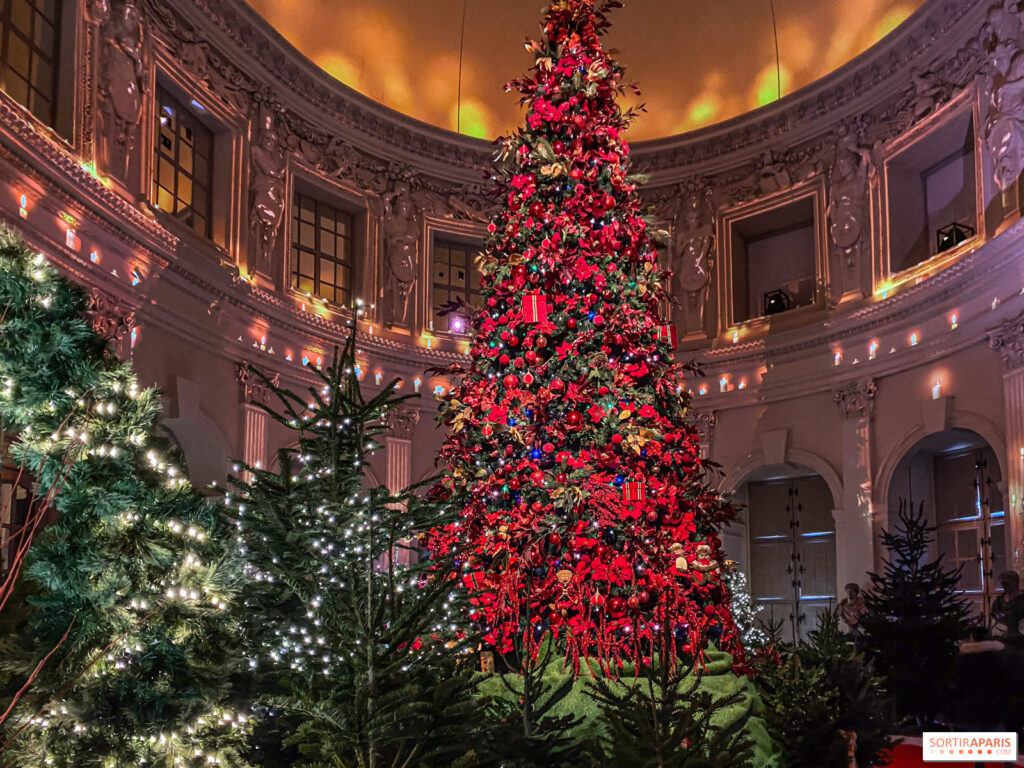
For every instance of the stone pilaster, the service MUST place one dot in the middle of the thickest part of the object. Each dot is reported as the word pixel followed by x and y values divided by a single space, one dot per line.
pixel 254 392
pixel 1008 342
pixel 402 423
pixel 853 515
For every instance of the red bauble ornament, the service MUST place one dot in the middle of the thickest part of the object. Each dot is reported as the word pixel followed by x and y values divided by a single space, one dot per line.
pixel 609 201
pixel 541 342
pixel 557 385
pixel 616 606
pixel 536 209
pixel 561 477
pixel 574 418
pixel 617 439
pixel 527 379
pixel 598 321
pixel 644 596
pixel 571 323
pixel 537 477
pixel 597 599
pixel 531 356
pixel 652 516
pixel 633 602
pixel 511 380
pixel 554 540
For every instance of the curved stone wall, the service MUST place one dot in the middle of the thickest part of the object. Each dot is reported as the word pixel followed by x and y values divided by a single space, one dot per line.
pixel 834 195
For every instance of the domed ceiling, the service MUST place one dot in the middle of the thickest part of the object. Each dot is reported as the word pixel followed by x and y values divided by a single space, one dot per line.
pixel 697 62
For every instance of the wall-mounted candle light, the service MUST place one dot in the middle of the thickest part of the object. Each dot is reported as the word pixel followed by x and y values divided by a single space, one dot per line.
pixel 23 206
pixel 937 390
pixel 416 383
pixel 913 339
pixel 837 357
pixel 872 350
pixel 953 321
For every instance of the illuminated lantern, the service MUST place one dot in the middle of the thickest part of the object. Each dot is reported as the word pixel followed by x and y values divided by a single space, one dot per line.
pixel 667 333
pixel 634 490
pixel 535 308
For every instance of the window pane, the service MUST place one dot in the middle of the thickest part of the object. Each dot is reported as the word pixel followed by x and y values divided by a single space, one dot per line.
pixel 179 171
pixel 327 271
pixel 307 236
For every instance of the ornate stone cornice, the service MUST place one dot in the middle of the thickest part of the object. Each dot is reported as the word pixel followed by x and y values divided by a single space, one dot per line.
pixel 402 422
pixel 252 387
pixel 1008 341
pixel 856 399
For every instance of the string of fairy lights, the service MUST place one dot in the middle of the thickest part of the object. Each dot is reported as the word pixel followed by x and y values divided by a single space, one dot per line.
pixel 93 432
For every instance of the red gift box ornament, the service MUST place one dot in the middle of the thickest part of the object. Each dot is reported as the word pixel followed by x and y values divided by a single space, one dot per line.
pixel 476 580
pixel 667 333
pixel 634 490
pixel 535 308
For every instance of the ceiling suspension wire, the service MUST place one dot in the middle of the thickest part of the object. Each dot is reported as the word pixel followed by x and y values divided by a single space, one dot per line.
pixel 778 65
pixel 462 46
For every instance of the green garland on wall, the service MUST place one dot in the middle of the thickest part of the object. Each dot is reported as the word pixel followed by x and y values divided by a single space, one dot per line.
pixel 123 654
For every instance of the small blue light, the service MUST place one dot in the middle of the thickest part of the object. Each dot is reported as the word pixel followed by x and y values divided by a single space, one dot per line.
pixel 591 315
pixel 619 480
pixel 535 453
pixel 511 422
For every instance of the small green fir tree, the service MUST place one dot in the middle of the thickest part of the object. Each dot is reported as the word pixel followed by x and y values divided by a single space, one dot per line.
pixel 661 717
pixel 127 645
pixel 819 693
pixel 353 655
pixel 915 619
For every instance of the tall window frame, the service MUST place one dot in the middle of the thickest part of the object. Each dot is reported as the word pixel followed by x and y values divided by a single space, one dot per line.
pixel 453 276
pixel 183 164
pixel 321 252
pixel 30 38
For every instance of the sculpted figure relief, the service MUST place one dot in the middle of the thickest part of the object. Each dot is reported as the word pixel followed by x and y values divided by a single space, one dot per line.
pixel 1004 123
pixel 848 211
pixel 401 237
pixel 269 164
pixel 122 82
pixel 694 242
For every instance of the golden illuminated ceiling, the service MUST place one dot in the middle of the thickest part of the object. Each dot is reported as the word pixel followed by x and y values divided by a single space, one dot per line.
pixel 697 61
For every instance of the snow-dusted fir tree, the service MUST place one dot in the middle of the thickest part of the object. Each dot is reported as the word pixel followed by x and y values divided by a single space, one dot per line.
pixel 348 647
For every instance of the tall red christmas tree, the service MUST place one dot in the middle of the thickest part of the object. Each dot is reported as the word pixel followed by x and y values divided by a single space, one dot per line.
pixel 586 512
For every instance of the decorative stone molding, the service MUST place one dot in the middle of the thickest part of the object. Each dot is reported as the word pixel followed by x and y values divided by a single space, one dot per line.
pixel 402 422
pixel 705 422
pixel 253 388
pixel 111 318
pixel 1008 341
pixel 856 399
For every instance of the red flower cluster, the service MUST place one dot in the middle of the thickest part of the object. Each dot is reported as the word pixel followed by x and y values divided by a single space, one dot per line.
pixel 553 417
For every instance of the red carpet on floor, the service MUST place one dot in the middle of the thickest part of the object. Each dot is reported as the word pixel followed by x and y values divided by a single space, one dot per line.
pixel 908 755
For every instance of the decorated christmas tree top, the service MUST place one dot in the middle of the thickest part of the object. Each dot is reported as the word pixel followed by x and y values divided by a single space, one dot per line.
pixel 585 508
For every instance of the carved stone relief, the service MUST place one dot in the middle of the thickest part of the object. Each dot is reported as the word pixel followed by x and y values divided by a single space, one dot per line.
pixel 693 244
pixel 266 197
pixel 1008 341
pixel 402 422
pixel 252 388
pixel 1004 121
pixel 401 227
pixel 848 211
pixel 112 320
pixel 121 84
pixel 856 399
